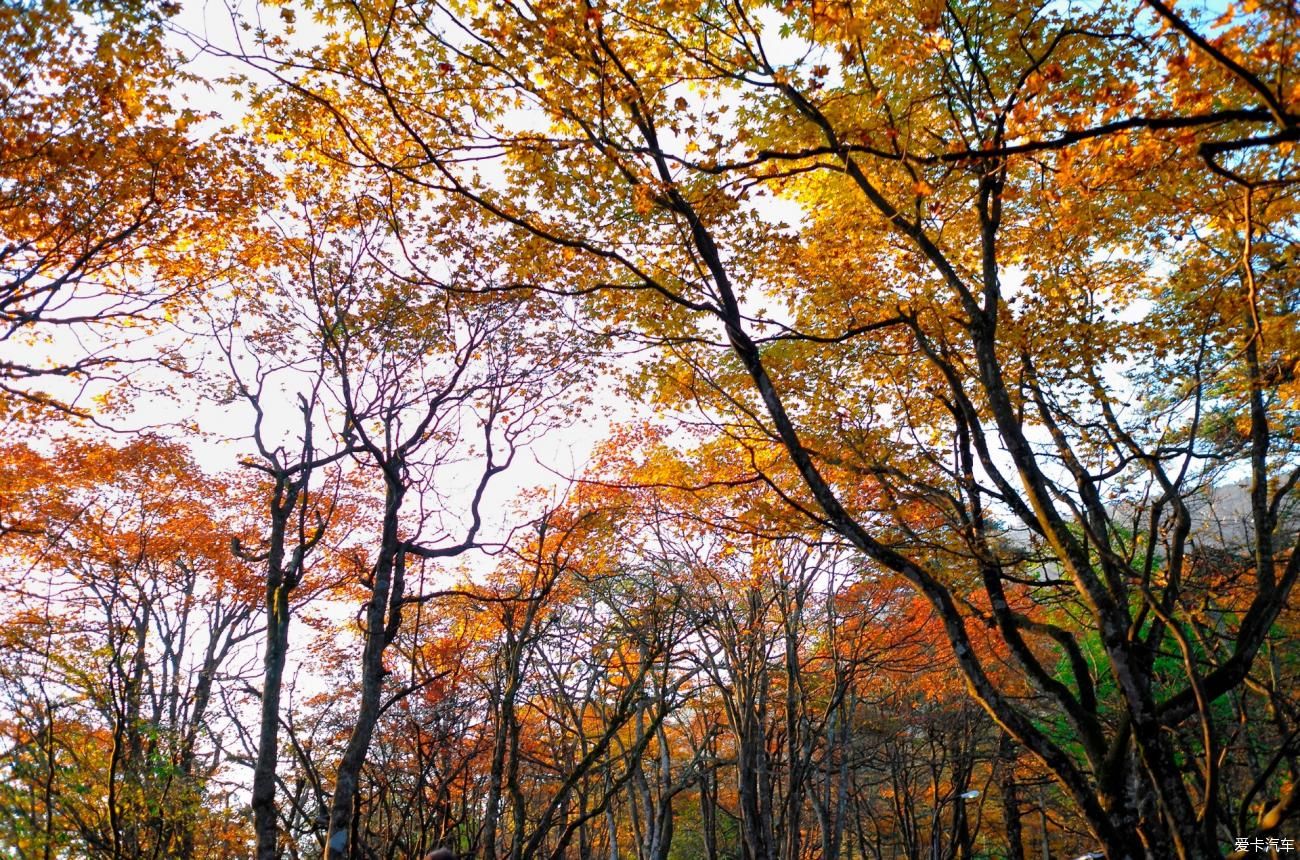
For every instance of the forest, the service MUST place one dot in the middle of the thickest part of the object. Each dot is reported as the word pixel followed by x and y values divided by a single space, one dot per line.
pixel 649 429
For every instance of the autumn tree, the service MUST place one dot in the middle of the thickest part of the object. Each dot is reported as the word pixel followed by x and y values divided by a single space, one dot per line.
pixel 969 334
pixel 107 181
pixel 415 380
pixel 416 375
pixel 126 619
pixel 997 353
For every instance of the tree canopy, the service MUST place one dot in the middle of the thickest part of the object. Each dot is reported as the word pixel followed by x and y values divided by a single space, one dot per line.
pixel 932 365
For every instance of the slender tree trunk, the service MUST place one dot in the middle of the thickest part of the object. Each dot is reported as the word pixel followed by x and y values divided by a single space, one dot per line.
pixel 502 747
pixel 709 811
pixel 382 619
pixel 611 825
pixel 47 789
pixel 280 581
pixel 496 778
pixel 265 822
pixel 1010 791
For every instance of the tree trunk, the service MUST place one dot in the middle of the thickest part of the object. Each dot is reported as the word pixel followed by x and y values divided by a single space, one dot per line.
pixel 382 619
pixel 280 581
pixel 1010 791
